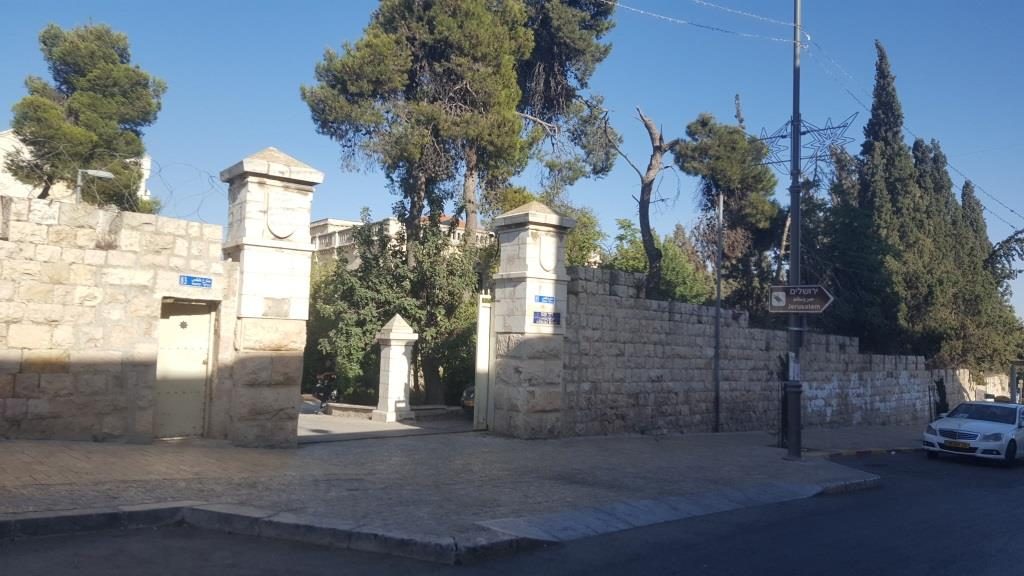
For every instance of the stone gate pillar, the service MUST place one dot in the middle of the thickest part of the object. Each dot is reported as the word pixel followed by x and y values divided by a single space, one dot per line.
pixel 529 322
pixel 396 343
pixel 270 196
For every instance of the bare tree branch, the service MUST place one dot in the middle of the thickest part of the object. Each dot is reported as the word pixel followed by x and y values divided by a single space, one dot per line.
pixel 551 129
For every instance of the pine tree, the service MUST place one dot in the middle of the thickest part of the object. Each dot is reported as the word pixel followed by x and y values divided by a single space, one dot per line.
pixel 731 163
pixel 90 117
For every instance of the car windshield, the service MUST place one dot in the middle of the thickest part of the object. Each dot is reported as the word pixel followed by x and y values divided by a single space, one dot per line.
pixel 1001 414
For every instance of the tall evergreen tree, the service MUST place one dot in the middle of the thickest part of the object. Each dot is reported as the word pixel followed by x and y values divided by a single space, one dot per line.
pixel 989 333
pixel 731 163
pixel 433 95
pixel 430 87
pixel 91 116
pixel 910 267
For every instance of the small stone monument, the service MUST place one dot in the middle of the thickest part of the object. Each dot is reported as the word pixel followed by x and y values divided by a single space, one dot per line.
pixel 396 342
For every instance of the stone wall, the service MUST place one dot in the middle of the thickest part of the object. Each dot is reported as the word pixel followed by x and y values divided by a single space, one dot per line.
pixel 963 386
pixel 637 365
pixel 83 290
pixel 80 300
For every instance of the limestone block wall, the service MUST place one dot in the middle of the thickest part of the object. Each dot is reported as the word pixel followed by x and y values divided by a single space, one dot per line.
pixel 80 302
pixel 637 365
pixel 270 195
pixel 964 386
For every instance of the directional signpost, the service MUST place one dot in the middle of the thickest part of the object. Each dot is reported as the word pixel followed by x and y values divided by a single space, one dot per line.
pixel 799 299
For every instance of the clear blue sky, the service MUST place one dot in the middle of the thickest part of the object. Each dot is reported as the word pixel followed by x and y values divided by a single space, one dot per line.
pixel 234 68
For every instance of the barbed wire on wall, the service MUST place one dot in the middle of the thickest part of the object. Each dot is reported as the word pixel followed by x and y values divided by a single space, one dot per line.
pixel 171 196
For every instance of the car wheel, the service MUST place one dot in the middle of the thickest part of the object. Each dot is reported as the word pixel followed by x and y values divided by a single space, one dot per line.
pixel 1011 454
pixel 931 455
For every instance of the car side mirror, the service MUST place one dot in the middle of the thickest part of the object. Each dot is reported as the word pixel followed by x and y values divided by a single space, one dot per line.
pixel 943 414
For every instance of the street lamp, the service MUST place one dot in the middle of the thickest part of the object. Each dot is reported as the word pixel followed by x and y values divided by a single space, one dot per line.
pixel 95 174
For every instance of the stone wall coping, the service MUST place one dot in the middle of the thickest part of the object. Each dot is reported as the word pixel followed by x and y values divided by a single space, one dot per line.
pixel 279 244
pixel 533 213
pixel 274 164
pixel 525 274
pixel 397 329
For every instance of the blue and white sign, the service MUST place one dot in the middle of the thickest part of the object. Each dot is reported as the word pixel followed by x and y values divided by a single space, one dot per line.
pixel 544 299
pixel 548 318
pixel 195 281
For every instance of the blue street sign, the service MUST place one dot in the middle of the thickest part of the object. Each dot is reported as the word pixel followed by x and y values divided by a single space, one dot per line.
pixel 549 318
pixel 195 281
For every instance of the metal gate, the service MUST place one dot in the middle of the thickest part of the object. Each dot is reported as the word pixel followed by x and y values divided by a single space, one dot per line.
pixel 183 368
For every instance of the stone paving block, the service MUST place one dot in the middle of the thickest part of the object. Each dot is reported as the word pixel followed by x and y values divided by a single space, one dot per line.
pixel 232 518
pixel 318 530
pixel 66 522
pixel 158 514
pixel 524 527
pixel 421 547
pixel 490 544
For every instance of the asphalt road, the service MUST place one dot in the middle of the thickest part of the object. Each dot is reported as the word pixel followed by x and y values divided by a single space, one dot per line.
pixel 935 518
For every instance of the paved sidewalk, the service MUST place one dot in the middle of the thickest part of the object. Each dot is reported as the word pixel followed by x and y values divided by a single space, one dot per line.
pixel 467 487
pixel 323 428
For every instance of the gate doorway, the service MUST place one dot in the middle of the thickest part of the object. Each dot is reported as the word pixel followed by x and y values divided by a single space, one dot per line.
pixel 183 368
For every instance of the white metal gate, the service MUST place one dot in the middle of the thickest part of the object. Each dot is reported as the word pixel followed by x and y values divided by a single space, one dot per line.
pixel 483 404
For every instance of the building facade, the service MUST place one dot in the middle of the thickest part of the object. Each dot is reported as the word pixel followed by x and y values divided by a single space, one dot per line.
pixel 335 239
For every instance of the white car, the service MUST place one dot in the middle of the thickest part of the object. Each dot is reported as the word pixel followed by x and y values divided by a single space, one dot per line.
pixel 992 430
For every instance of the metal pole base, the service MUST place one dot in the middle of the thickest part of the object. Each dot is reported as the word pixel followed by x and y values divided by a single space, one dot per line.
pixel 794 440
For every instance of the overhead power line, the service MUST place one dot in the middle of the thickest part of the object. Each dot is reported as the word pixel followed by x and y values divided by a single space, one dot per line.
pixel 749 15
pixel 820 49
pixel 835 64
pixel 707 27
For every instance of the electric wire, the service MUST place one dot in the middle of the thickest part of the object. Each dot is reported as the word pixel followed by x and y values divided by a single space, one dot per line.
pixel 835 64
pixel 749 15
pixel 707 27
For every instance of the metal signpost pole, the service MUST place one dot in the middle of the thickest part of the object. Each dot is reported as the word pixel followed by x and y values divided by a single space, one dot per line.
pixel 794 389
pixel 718 317
pixel 1014 394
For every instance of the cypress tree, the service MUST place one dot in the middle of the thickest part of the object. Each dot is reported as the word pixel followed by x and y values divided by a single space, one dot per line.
pixel 913 271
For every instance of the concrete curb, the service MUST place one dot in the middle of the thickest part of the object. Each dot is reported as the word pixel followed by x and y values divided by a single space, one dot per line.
pixel 246 520
pixel 502 537
pixel 869 452
pixel 625 515
pixel 34 524
pixel 849 486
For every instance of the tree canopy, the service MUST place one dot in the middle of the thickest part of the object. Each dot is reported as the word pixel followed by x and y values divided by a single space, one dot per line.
pixel 730 163
pixel 912 268
pixel 683 278
pixel 90 117
pixel 445 95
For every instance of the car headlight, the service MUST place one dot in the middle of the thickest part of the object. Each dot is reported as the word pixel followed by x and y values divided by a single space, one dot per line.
pixel 993 437
pixel 930 430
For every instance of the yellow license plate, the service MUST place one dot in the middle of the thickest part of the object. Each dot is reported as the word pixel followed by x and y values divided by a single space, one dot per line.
pixel 955 444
